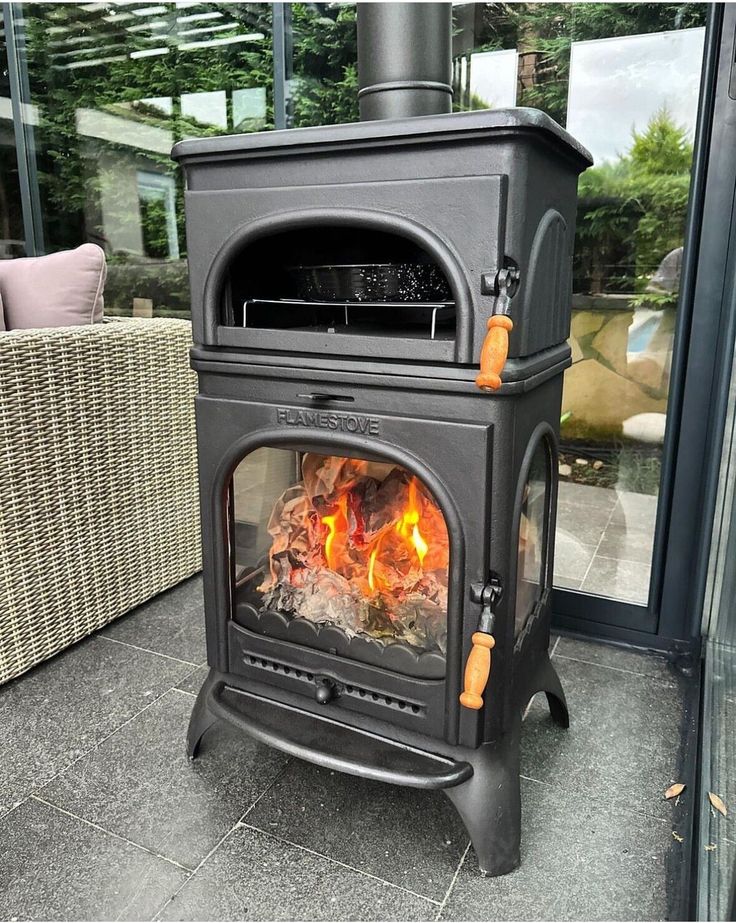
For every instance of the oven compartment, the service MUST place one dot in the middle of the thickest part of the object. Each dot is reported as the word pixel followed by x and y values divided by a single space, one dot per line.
pixel 261 246
pixel 486 186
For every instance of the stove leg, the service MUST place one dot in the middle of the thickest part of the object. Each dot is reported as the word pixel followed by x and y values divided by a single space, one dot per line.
pixel 201 720
pixel 489 804
pixel 551 685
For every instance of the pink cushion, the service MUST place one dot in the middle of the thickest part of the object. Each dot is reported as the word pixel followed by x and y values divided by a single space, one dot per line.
pixel 59 290
pixel 2 315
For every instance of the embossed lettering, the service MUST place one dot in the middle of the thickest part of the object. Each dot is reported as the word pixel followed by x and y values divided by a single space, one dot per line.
pixel 339 422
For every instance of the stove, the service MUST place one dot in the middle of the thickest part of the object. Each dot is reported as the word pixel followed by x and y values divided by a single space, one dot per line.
pixel 379 317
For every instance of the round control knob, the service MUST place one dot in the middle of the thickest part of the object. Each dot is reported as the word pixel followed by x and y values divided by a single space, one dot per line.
pixel 324 692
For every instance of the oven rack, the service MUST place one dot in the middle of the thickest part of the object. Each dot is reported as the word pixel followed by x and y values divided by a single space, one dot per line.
pixel 429 314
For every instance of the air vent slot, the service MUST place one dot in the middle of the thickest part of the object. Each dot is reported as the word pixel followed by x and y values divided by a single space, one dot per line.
pixel 360 693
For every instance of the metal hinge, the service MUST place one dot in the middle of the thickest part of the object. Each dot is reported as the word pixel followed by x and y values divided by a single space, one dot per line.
pixel 488 595
pixel 502 283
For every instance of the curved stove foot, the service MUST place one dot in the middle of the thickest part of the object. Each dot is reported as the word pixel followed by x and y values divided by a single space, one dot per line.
pixel 201 720
pixel 551 685
pixel 489 804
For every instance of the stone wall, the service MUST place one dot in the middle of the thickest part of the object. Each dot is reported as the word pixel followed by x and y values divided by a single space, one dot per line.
pixel 621 365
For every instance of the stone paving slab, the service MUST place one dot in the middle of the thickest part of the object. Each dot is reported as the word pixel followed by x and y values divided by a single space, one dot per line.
pixel 132 830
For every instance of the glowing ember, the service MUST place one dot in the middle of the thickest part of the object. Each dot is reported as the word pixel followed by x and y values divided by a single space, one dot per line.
pixel 363 546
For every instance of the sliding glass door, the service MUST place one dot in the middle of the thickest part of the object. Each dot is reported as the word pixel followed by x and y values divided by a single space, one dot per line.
pixel 625 79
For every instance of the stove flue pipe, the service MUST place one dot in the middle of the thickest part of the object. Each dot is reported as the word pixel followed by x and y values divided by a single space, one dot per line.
pixel 404 59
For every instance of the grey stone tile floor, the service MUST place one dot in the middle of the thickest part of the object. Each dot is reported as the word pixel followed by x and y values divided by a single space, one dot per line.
pixel 102 816
pixel 604 541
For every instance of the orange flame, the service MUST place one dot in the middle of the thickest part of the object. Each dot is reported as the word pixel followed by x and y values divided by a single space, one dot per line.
pixel 334 522
pixel 408 525
pixel 371 565
pixel 420 545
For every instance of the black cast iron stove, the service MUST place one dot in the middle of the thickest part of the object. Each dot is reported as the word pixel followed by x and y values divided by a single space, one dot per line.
pixel 378 514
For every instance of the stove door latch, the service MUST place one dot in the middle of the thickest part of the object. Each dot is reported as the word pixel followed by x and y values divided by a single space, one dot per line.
pixel 478 666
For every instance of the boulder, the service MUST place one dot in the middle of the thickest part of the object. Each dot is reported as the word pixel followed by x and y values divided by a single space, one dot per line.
pixel 599 400
pixel 646 427
pixel 612 341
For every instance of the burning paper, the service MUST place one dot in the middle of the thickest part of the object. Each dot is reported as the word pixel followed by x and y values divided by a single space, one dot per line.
pixel 363 546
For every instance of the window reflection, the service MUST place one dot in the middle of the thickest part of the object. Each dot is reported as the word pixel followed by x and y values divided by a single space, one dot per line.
pixel 493 79
pixel 12 240
pixel 209 108
pixel 619 85
pixel 114 87
pixel 624 79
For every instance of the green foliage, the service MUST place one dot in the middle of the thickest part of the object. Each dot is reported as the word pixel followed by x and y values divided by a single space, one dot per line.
pixel 662 150
pixel 325 82
pixel 632 212
pixel 154 227
pixel 70 171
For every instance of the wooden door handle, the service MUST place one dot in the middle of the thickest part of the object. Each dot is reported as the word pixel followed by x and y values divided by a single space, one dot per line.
pixel 477 670
pixel 494 352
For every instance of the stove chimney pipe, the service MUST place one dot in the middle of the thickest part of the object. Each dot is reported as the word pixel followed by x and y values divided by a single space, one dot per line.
pixel 404 59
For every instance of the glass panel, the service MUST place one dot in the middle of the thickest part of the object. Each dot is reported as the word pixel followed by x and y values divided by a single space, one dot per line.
pixel 633 102
pixel 12 240
pixel 112 87
pixel 624 79
pixel 717 846
pixel 350 543
pixel 530 570
pixel 324 83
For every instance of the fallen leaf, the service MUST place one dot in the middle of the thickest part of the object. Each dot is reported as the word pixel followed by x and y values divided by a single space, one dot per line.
pixel 674 790
pixel 677 836
pixel 710 847
pixel 717 803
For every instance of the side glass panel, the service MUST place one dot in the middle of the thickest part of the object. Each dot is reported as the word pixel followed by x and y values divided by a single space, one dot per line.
pixel 351 544
pixel 624 79
pixel 531 564
pixel 717 868
pixel 112 87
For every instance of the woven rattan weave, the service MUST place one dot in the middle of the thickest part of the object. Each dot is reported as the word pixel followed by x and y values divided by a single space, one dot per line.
pixel 98 480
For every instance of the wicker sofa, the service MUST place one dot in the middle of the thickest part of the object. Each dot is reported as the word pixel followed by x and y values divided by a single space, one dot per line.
pixel 98 485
